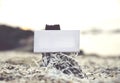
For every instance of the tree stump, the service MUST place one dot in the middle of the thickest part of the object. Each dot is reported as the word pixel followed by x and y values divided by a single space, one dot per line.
pixel 62 62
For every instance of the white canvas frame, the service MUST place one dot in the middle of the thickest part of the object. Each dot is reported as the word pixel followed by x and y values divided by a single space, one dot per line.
pixel 56 41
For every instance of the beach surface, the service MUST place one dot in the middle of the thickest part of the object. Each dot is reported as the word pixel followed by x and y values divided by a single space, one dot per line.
pixel 24 67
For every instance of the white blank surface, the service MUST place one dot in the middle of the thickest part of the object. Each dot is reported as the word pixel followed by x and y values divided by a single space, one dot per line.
pixel 56 41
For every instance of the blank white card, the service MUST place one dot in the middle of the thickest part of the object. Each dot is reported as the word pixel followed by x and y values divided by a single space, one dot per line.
pixel 56 41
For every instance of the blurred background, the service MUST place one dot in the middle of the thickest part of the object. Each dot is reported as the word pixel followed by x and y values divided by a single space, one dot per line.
pixel 98 22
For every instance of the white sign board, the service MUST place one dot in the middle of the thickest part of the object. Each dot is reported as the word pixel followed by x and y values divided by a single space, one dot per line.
pixel 56 41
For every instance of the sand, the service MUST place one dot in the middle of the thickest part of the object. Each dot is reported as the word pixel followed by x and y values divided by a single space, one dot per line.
pixel 23 67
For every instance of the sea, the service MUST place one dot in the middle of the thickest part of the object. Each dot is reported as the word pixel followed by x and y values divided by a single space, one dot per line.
pixel 101 44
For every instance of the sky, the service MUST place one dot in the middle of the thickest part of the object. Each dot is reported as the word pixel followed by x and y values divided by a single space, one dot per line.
pixel 70 14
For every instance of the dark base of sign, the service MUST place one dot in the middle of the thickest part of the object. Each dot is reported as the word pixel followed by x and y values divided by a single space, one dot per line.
pixel 62 62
